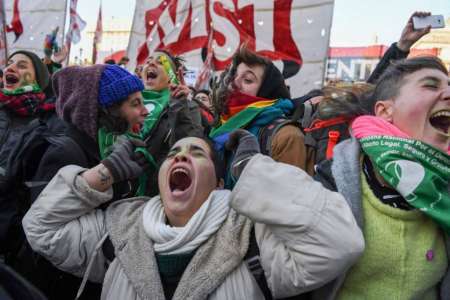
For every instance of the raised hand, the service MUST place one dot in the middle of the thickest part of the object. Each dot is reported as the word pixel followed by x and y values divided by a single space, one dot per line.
pixel 409 35
pixel 244 145
pixel 123 163
pixel 60 55
pixel 180 90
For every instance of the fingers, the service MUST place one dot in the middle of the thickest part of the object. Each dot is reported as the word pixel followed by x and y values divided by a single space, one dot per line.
pixel 232 142
pixel 181 76
pixel 235 137
pixel 138 143
pixel 420 14
pixel 178 91
pixel 141 160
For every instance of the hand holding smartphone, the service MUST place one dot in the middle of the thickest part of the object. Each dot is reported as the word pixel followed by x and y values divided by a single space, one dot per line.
pixel 434 21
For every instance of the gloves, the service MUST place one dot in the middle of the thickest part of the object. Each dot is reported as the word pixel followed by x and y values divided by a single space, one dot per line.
pixel 244 145
pixel 124 163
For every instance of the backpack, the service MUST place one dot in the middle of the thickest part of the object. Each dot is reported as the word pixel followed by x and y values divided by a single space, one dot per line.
pixel 19 160
pixel 321 135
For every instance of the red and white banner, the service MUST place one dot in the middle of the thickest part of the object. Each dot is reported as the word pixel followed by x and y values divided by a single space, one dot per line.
pixel 293 33
pixel 2 36
pixel 97 35
pixel 29 21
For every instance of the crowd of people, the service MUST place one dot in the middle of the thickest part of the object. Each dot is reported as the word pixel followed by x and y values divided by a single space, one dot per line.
pixel 116 185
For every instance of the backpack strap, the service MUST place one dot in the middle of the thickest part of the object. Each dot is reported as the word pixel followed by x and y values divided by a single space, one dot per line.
pixel 267 133
pixel 253 262
pixel 90 264
pixel 307 115
pixel 108 249
pixel 320 124
pixel 326 134
pixel 333 139
pixel 306 122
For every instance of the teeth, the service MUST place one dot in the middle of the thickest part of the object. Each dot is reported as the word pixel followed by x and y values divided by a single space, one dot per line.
pixel 180 170
pixel 443 113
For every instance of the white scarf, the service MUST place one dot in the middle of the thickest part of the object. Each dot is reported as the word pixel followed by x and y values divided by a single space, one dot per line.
pixel 175 240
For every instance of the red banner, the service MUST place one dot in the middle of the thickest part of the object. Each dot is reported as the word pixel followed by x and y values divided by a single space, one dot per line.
pixel 184 25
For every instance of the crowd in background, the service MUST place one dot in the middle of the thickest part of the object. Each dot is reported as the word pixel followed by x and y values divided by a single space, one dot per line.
pixel 120 185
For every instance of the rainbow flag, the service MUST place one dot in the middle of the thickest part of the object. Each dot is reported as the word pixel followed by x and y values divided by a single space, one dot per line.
pixel 241 116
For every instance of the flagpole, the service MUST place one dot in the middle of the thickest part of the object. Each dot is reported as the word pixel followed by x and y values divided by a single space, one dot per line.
pixel 3 30
pixel 64 27
pixel 98 27
pixel 64 34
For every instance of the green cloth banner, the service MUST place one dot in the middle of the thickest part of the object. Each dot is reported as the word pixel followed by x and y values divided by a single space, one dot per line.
pixel 155 102
pixel 418 171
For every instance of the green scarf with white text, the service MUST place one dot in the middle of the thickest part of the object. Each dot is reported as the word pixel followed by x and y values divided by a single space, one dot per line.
pixel 155 102
pixel 418 171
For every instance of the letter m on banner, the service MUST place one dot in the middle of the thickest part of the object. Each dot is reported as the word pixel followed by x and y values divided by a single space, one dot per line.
pixel 274 29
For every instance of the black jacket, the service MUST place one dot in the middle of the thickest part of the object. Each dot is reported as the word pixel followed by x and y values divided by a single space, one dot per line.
pixel 69 146
pixel 15 132
pixel 80 149
pixel 393 53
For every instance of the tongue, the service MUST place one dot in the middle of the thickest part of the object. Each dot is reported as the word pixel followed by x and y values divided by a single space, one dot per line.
pixel 11 79
pixel 441 123
pixel 180 181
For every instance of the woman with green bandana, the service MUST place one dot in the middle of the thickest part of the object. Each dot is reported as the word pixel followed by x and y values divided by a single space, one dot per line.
pixel 22 101
pixel 91 101
pixel 22 98
pixel 395 174
pixel 172 115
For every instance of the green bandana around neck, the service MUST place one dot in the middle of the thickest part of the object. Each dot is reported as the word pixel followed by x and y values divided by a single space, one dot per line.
pixel 31 88
pixel 106 141
pixel 418 171
pixel 155 102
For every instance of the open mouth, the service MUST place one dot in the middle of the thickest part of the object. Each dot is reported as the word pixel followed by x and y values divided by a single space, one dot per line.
pixel 441 121
pixel 11 79
pixel 151 74
pixel 179 180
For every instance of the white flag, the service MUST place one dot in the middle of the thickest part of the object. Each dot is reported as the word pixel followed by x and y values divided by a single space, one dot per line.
pixel 28 22
pixel 77 24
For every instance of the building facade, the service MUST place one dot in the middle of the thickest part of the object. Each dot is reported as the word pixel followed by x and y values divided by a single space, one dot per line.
pixel 116 33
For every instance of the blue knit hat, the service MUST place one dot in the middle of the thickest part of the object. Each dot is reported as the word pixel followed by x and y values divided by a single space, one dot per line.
pixel 116 84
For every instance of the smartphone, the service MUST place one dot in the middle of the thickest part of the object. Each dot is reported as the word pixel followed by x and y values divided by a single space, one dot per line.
pixel 435 21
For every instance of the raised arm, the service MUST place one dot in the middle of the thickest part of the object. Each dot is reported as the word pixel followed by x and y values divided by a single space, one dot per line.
pixel 401 48
pixel 64 225
pixel 306 233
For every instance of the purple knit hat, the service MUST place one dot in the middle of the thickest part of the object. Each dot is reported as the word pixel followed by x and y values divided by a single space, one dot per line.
pixel 76 89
